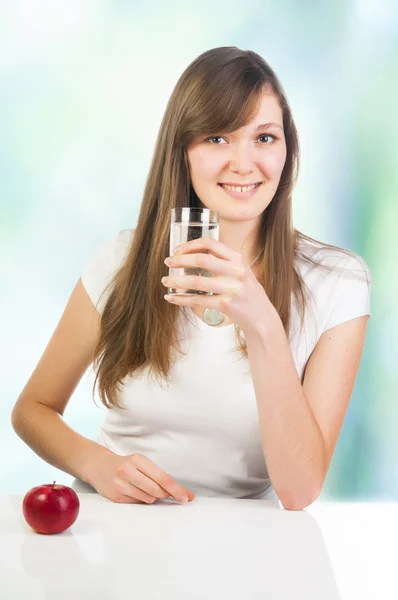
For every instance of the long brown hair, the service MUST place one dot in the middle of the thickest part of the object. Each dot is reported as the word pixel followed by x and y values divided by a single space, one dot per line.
pixel 219 91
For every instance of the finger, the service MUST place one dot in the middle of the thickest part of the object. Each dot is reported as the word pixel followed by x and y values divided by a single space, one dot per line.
pixel 217 285
pixel 191 495
pixel 217 301
pixel 147 485
pixel 131 494
pixel 158 476
pixel 205 243
pixel 208 262
pixel 127 500
pixel 123 499
pixel 133 491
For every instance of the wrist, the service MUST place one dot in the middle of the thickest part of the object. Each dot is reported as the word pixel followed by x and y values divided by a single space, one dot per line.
pixel 265 329
pixel 94 461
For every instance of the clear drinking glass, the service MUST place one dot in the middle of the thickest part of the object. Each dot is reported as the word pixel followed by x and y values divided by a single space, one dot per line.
pixel 189 223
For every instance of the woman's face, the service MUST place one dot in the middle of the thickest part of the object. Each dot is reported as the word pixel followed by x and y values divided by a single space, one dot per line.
pixel 254 154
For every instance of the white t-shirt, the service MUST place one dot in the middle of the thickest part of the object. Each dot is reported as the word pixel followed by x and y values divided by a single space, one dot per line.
pixel 202 428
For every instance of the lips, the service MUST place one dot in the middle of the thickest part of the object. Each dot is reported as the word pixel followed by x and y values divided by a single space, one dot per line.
pixel 240 184
pixel 241 195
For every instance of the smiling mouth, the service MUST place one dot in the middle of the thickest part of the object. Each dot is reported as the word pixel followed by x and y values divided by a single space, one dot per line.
pixel 240 189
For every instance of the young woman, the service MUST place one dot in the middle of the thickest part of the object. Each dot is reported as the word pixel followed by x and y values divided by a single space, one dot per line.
pixel 242 393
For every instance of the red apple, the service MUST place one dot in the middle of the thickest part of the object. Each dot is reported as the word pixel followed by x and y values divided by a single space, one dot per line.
pixel 50 508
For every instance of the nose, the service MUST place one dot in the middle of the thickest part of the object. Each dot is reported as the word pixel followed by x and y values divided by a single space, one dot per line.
pixel 241 160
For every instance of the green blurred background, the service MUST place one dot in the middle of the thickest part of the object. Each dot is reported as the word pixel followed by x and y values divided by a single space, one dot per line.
pixel 83 87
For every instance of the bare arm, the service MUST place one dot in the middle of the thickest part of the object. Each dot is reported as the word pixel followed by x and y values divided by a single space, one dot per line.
pixel 37 414
pixel 300 424
pixel 47 434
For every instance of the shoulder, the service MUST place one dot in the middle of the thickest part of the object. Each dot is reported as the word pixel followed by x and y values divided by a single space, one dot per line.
pixel 339 282
pixel 109 255
pixel 323 265
pixel 121 244
pixel 103 265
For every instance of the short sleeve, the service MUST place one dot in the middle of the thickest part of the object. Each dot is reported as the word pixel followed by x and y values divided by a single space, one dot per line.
pixel 103 265
pixel 348 293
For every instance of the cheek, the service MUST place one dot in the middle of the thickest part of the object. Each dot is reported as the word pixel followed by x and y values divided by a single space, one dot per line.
pixel 205 166
pixel 274 163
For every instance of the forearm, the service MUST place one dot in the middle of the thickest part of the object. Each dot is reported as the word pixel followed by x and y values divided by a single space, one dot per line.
pixel 47 434
pixel 293 444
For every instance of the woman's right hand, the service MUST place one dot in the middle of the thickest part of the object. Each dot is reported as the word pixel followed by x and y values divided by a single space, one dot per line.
pixel 135 479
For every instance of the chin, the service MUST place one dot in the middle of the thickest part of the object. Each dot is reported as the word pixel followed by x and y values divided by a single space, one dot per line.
pixel 239 215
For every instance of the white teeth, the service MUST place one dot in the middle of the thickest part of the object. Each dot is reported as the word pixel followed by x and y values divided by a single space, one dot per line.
pixel 239 189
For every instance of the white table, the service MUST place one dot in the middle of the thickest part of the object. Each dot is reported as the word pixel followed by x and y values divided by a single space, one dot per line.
pixel 212 548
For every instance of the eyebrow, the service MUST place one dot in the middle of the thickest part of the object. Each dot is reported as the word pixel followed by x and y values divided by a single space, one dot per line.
pixel 267 125
pixel 261 127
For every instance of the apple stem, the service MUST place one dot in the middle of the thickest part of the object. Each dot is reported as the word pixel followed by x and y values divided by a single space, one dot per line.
pixel 53 485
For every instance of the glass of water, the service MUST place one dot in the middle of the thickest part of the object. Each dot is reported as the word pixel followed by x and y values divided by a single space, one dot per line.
pixel 189 223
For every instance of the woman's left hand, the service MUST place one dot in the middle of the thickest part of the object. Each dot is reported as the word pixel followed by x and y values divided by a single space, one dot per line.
pixel 238 294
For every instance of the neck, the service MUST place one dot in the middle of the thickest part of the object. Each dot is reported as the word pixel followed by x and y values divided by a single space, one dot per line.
pixel 241 237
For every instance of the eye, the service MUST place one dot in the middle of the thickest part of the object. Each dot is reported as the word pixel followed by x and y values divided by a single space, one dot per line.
pixel 217 137
pixel 264 135
pixel 267 135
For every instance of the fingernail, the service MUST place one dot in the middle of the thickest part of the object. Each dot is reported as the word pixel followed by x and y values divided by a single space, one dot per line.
pixel 184 498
